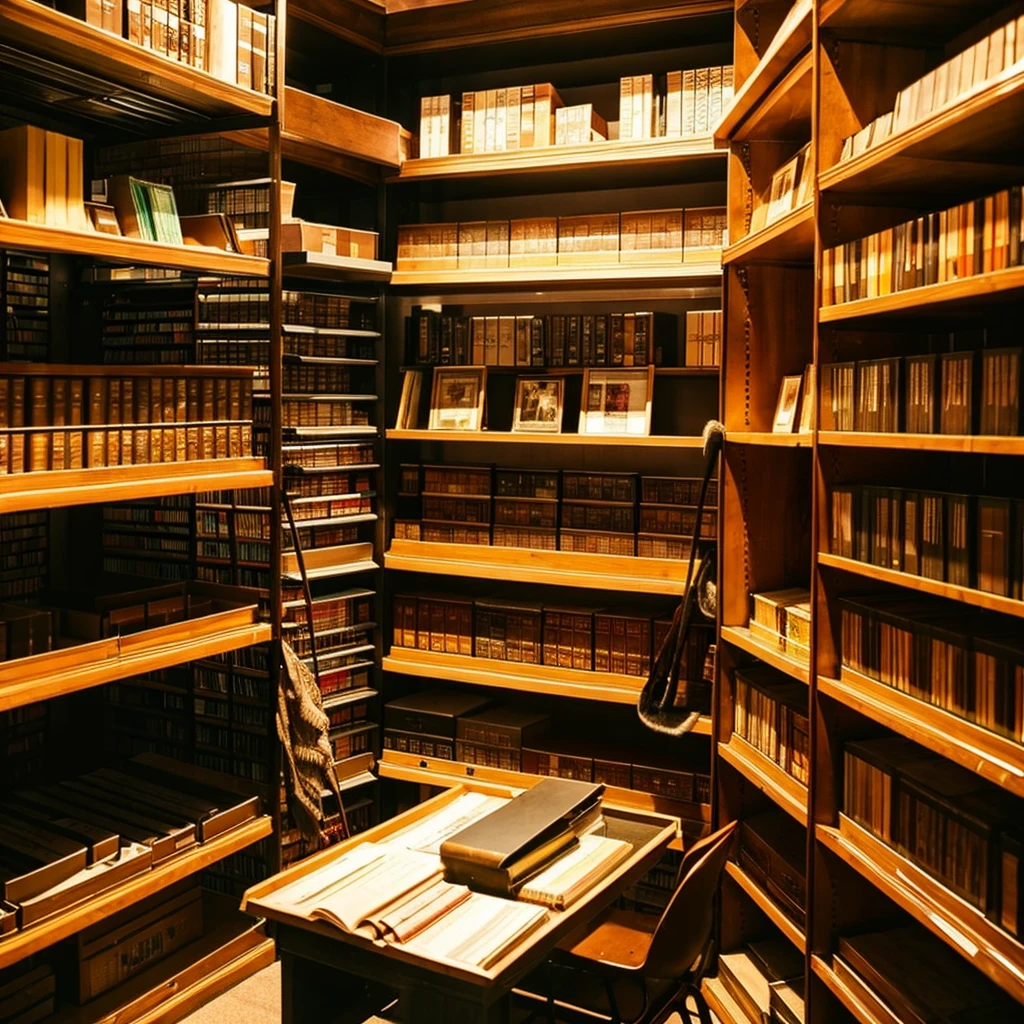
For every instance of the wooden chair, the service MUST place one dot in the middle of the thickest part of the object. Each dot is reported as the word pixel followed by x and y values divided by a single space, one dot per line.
pixel 648 968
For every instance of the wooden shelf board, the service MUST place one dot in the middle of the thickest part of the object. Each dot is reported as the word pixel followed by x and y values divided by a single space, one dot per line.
pixel 863 1012
pixel 968 444
pixel 608 687
pixel 72 43
pixel 19 234
pixel 963 927
pixel 767 905
pixel 993 757
pixel 319 266
pixel 740 636
pixel 896 20
pixel 18 945
pixel 968 293
pixel 548 278
pixel 507 437
pixel 725 1009
pixel 434 771
pixel 71 669
pixel 789 240
pixel 558 568
pixel 978 598
pixel 767 776
pixel 23 492
pixel 783 51
pixel 596 156
pixel 766 439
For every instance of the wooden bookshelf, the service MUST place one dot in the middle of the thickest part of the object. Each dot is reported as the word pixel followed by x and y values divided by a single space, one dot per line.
pixel 767 776
pixel 785 112
pixel 789 240
pixel 22 492
pixel 968 595
pixel 607 687
pixel 741 637
pixel 862 1003
pixel 989 755
pixel 34 939
pixel 957 443
pixel 767 906
pixel 765 439
pixel 69 669
pixel 19 234
pixel 558 568
pixel 881 22
pixel 507 437
pixel 549 278
pixel 956 922
pixel 128 68
pixel 431 771
pixel 321 266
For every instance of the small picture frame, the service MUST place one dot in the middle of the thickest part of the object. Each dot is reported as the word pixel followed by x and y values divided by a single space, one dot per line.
pixel 805 190
pixel 783 191
pixel 409 403
pixel 539 405
pixel 789 400
pixel 617 401
pixel 457 398
pixel 807 401
pixel 103 218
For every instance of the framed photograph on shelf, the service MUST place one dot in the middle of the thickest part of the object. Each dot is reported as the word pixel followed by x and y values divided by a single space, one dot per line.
pixel 805 188
pixel 457 398
pixel 789 399
pixel 617 401
pixel 807 401
pixel 784 182
pixel 539 405
pixel 408 417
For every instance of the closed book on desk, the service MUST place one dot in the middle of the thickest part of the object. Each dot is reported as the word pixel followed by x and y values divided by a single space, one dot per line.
pixel 499 852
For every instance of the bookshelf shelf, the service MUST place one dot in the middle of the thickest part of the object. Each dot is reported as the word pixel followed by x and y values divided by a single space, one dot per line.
pixel 548 278
pixel 433 771
pixel 791 42
pixel 993 757
pixel 858 17
pixel 789 240
pixel 767 776
pixel 22 492
pixel 766 904
pixel 607 687
pixel 507 437
pixel 966 444
pixel 595 159
pixel 321 266
pixel 940 153
pixel 978 598
pixel 69 670
pixel 558 568
pixel 740 636
pixel 969 293
pixel 19 234
pixel 865 1006
pixel 765 439
pixel 19 945
pixel 952 919
pixel 128 68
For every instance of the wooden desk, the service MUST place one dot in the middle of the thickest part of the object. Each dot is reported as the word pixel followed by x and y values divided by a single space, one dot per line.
pixel 324 968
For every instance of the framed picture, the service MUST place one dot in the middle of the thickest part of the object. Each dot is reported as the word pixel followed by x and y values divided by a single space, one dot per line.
pixel 539 404
pixel 783 192
pixel 805 190
pixel 807 401
pixel 789 399
pixel 457 398
pixel 617 401
pixel 103 218
pixel 409 404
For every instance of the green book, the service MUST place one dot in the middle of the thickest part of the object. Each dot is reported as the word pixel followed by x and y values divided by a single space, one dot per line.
pixel 166 223
pixel 143 213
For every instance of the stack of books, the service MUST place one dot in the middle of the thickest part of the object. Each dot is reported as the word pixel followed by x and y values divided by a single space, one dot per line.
pixel 770 713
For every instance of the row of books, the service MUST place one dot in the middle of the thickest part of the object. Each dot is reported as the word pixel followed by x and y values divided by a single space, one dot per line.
pixel 770 713
pixel 969 71
pixel 958 538
pixel 50 835
pixel 25 278
pixel 695 235
pixel 961 392
pixel 782 619
pixel 963 831
pixel 471 728
pixel 534 634
pixel 24 546
pixel 677 104
pixel 439 338
pixel 248 303
pixel 970 663
pixel 765 978
pixel 963 241
pixel 772 851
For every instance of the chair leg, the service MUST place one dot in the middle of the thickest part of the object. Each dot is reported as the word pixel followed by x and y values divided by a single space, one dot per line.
pixel 703 1010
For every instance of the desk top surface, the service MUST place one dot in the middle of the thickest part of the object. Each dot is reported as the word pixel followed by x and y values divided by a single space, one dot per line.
pixel 649 833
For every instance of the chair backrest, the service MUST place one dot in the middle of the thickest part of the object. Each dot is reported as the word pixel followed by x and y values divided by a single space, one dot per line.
pixel 685 926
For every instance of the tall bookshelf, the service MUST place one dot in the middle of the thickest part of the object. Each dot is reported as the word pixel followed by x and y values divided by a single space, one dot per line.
pixel 823 73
